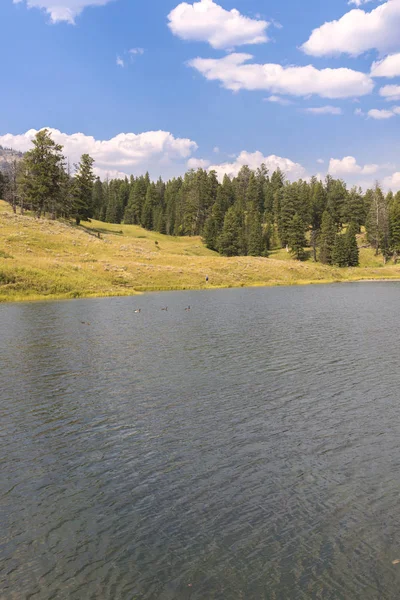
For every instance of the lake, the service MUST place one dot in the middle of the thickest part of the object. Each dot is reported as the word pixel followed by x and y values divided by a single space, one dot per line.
pixel 246 448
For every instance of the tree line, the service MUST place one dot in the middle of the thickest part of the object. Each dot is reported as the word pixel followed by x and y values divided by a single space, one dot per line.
pixel 246 215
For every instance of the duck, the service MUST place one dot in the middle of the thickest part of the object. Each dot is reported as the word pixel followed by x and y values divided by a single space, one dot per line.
pixel 166 308
pixel 187 308
pixel 138 310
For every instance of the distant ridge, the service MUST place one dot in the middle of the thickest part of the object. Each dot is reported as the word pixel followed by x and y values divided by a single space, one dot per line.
pixel 7 156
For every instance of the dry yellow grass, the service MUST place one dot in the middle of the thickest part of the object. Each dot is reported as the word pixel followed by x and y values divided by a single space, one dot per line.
pixel 48 259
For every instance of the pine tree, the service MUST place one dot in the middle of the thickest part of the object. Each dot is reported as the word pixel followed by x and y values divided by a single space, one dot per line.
pixel 211 232
pixel 229 241
pixel 41 173
pixel 327 238
pixel 288 202
pixel 296 237
pixel 255 245
pixel 339 253
pixel 352 252
pixel 136 200
pixel 377 224
pixel 317 207
pixel 98 198
pixel 147 218
pixel 83 189
pixel 395 226
pixel 354 208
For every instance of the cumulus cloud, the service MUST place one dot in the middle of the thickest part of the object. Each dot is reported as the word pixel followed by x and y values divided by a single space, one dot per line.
pixel 387 67
pixel 324 110
pixel 348 166
pixel 120 62
pixel 206 21
pixel 235 75
pixel 392 182
pixel 358 31
pixel 255 159
pixel 62 10
pixel 126 153
pixel 380 114
pixel 390 92
pixel 197 163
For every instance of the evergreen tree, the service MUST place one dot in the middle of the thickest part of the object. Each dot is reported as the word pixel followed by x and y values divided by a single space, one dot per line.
pixel 83 189
pixel 296 238
pixel 98 199
pixel 288 204
pixel 354 208
pixel 147 219
pixel 41 173
pixel 377 224
pixel 229 240
pixel 339 253
pixel 336 194
pixel 3 182
pixel 211 232
pixel 351 247
pixel 136 200
pixel 395 226
pixel 255 242
pixel 317 207
pixel 327 238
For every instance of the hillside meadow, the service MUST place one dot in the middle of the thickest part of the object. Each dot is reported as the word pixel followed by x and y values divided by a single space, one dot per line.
pixel 44 259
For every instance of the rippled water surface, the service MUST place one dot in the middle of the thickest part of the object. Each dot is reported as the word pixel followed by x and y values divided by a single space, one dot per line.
pixel 247 448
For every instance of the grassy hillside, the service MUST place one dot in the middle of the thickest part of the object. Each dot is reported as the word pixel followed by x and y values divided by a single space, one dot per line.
pixel 48 259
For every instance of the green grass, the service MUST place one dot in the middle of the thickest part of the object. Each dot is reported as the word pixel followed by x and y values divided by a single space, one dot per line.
pixel 42 259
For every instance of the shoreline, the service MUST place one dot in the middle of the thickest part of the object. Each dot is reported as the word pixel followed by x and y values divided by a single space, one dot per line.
pixel 66 297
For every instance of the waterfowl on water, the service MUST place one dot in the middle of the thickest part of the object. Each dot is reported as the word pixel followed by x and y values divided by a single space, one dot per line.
pixel 138 310
pixel 187 308
pixel 166 308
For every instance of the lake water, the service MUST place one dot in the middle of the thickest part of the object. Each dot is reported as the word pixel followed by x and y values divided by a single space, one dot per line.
pixel 247 448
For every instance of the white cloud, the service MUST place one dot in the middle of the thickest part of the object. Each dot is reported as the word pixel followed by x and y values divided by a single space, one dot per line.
pixel 392 181
pixel 136 51
pixel 298 81
pixel 348 166
pixel 390 92
pixel 387 67
pixel 206 21
pixel 197 163
pixel 278 100
pixel 126 153
pixel 254 160
pixel 358 2
pixel 63 10
pixel 120 62
pixel 324 110
pixel 380 115
pixel 320 161
pixel 359 112
pixel 216 150
pixel 396 110
pixel 358 31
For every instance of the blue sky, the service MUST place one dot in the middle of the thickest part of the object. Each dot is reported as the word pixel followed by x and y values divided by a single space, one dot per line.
pixel 60 70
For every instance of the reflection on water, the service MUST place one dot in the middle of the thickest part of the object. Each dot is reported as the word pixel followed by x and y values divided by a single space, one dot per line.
pixel 248 448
